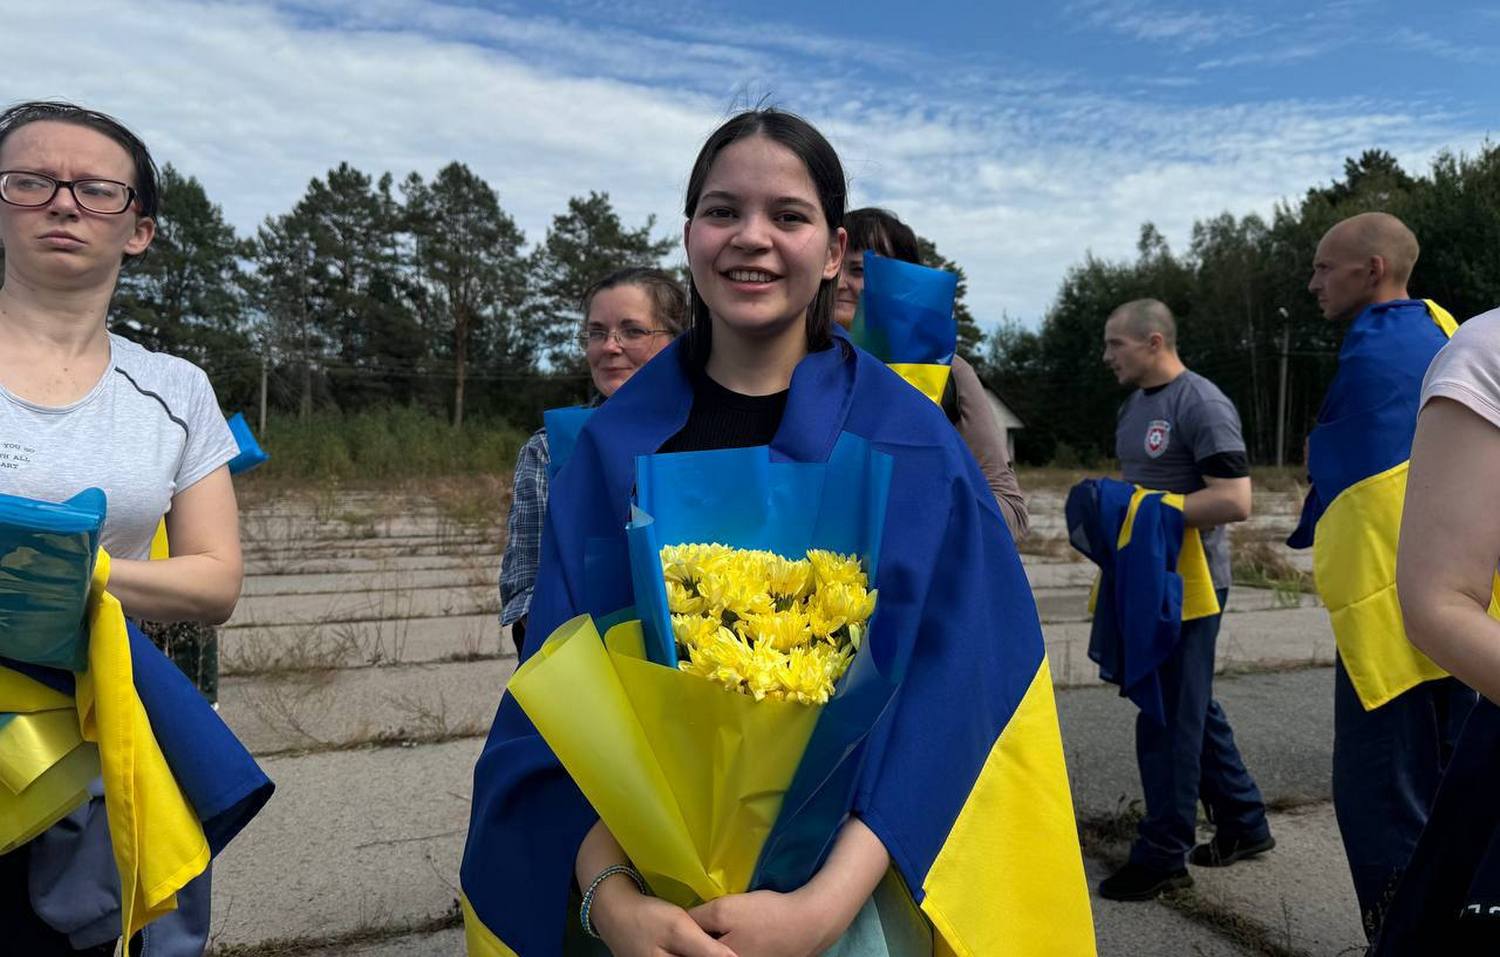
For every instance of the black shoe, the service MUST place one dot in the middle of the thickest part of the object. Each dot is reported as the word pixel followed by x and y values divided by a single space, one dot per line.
pixel 1137 882
pixel 1223 851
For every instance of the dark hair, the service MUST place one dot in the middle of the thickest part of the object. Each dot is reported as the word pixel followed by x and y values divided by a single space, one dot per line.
pixel 668 302
pixel 22 114
pixel 825 171
pixel 883 233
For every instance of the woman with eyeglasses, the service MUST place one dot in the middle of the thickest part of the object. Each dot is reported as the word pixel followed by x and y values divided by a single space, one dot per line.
pixel 83 407
pixel 629 316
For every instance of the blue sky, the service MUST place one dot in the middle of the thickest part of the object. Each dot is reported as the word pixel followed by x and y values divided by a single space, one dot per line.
pixel 1019 137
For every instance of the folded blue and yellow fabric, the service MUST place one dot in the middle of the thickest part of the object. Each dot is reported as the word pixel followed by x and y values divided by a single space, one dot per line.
pixel 905 319
pixel 1153 576
pixel 177 784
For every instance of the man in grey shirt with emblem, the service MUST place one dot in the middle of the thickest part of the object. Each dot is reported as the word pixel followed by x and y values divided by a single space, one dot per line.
pixel 1178 433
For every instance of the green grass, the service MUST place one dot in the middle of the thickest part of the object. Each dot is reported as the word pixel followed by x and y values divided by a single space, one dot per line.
pixel 383 445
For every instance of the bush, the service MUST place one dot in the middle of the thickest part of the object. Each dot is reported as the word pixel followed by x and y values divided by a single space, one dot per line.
pixel 385 444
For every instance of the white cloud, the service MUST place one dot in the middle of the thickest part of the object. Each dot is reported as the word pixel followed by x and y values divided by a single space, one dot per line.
pixel 1014 171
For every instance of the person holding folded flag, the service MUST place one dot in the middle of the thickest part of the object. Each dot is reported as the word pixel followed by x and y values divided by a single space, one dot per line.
pixel 82 408
pixel 1178 433
pixel 1396 713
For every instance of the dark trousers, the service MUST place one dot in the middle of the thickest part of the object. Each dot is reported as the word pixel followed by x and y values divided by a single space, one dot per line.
pixel 1448 900
pixel 23 931
pixel 1191 756
pixel 1386 767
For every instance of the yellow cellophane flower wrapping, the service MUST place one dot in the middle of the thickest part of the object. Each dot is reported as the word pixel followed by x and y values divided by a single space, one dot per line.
pixel 688 775
pixel 45 765
pixel 157 839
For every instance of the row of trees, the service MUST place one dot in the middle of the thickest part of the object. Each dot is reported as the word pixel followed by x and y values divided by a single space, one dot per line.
pixel 1244 314
pixel 371 292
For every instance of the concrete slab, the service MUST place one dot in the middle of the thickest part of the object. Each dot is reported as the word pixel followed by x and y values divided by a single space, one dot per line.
pixel 314 555
pixel 260 572
pixel 285 648
pixel 351 840
pixel 1283 724
pixel 475 570
pixel 335 708
pixel 1149 929
pixel 1248 641
pixel 1300 892
pixel 387 604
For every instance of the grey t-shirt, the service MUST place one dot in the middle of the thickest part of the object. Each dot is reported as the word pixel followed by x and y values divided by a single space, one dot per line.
pixel 149 428
pixel 1163 434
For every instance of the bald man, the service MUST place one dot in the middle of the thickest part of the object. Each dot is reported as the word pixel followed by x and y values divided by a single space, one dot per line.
pixel 1179 433
pixel 1396 714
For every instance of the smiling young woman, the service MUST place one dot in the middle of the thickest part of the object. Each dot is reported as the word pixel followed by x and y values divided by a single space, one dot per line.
pixel 764 364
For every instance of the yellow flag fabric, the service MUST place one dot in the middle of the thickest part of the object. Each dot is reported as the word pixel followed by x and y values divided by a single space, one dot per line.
pixel 993 888
pixel 690 801
pixel 45 765
pixel 141 795
pixel 1199 599
pixel 929 378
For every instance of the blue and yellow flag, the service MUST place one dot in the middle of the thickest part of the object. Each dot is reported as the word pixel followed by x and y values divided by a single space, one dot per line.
pixel 905 319
pixel 1153 576
pixel 972 802
pixel 177 784
pixel 1358 457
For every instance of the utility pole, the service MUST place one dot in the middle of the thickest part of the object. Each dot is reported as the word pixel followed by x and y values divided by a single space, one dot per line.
pixel 265 364
pixel 1286 344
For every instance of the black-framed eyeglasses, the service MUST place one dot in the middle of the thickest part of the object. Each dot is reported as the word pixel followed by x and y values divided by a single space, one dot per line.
pixel 28 189
pixel 628 337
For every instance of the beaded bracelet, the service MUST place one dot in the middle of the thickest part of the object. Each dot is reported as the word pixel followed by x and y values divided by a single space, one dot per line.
pixel 588 895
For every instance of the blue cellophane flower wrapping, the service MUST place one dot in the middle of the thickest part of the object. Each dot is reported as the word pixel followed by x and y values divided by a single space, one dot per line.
pixel 250 454
pixel 563 426
pixel 47 554
pixel 740 498
pixel 905 313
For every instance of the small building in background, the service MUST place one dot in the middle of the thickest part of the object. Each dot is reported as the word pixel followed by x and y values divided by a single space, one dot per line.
pixel 1009 422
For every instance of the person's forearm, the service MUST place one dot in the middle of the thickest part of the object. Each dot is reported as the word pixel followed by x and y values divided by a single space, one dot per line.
pixel 847 879
pixel 1456 631
pixel 1213 506
pixel 188 588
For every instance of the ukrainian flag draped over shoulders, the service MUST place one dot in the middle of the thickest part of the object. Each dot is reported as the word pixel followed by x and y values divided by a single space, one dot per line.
pixel 1358 456
pixel 962 777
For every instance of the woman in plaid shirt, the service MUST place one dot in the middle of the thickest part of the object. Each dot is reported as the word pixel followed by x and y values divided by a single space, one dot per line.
pixel 629 316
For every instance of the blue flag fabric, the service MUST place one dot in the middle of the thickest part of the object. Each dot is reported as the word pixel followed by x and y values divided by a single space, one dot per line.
pixel 1138 614
pixel 955 617
pixel 906 312
pixel 251 454
pixel 563 426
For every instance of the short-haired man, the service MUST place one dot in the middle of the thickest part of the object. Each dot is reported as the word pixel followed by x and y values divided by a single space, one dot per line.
pixel 1179 433
pixel 1396 714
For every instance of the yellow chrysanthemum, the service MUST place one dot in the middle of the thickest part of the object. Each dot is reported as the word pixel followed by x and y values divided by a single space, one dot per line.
pixel 831 568
pixel 848 604
pixel 692 631
pixel 682 601
pixel 781 630
pixel 788 579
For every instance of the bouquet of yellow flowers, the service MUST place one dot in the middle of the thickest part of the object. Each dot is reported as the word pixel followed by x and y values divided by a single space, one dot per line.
pixel 717 726
pixel 765 625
